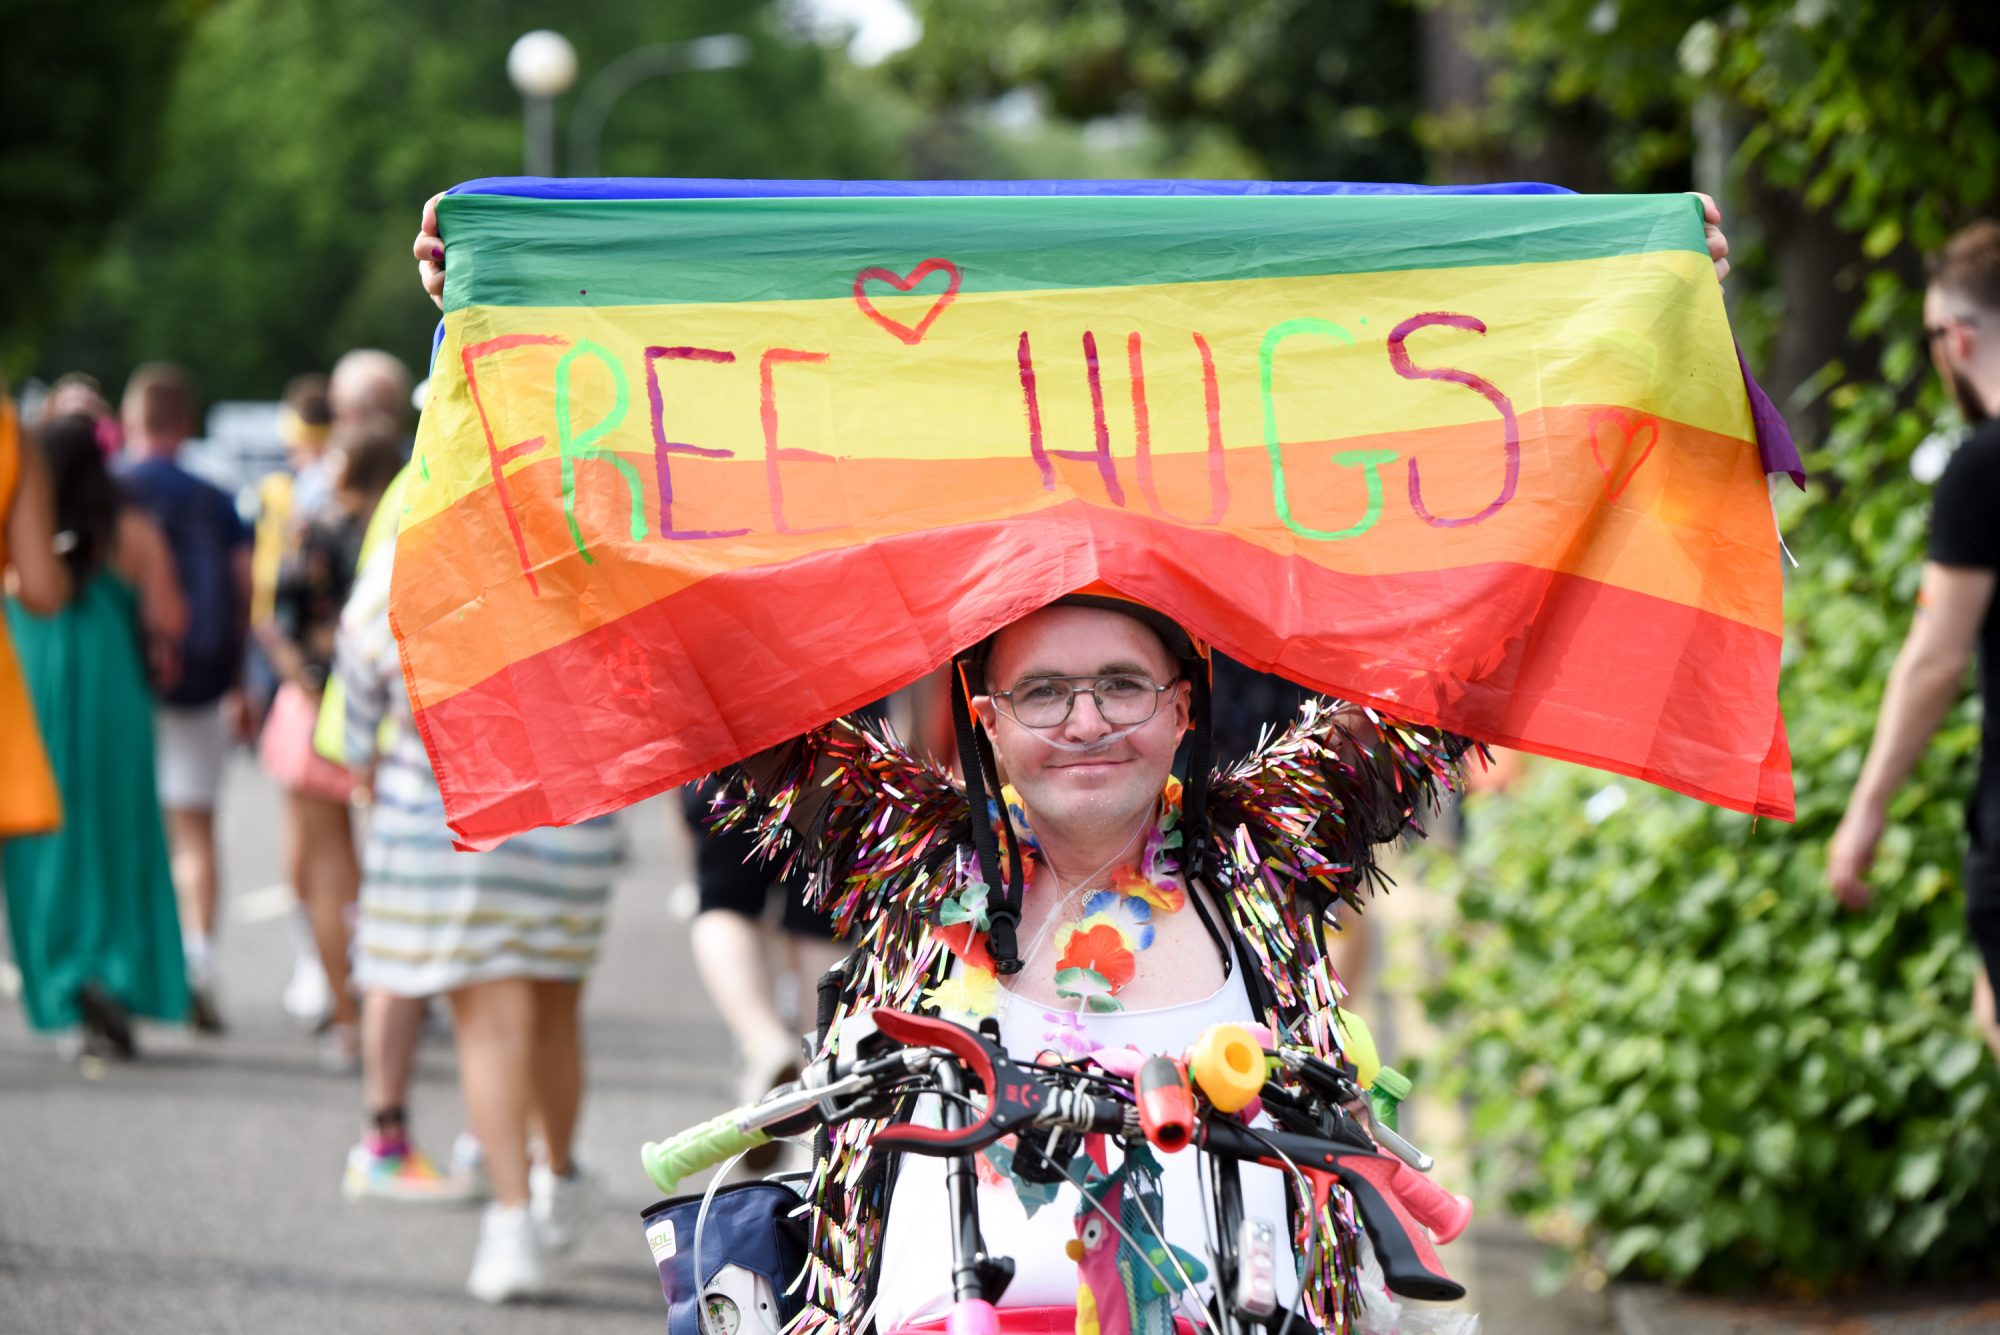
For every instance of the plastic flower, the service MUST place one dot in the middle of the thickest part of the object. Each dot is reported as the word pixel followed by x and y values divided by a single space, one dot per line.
pixel 1088 986
pixel 1066 1036
pixel 967 941
pixel 1134 916
pixel 969 906
pixel 1162 892
pixel 1099 945
pixel 971 996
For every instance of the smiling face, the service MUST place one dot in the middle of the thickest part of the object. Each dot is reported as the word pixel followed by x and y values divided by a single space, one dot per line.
pixel 1084 777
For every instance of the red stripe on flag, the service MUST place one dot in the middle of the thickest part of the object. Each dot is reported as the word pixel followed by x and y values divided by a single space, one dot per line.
pixel 625 711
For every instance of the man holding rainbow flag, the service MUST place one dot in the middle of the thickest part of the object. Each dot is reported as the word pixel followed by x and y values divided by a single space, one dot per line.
pixel 709 464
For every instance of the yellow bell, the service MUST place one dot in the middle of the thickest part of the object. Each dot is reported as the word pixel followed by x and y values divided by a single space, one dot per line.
pixel 1228 1065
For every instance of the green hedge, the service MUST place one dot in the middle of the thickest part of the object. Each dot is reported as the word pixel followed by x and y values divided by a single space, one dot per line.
pixel 1682 1054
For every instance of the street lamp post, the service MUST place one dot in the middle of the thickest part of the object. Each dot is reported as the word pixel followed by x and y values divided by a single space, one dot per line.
pixel 720 51
pixel 542 66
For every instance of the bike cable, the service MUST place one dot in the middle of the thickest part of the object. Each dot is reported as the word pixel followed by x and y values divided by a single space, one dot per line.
pixel 700 1228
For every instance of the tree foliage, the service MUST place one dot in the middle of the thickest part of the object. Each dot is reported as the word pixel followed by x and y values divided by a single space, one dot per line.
pixel 1308 89
pixel 1682 1052
pixel 304 136
pixel 1681 1049
pixel 1854 134
pixel 81 88
pixel 1878 109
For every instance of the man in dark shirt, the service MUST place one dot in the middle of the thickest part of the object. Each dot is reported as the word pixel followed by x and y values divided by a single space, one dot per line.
pixel 203 703
pixel 1956 610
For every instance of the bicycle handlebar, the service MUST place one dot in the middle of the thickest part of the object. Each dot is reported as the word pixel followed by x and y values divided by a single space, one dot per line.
pixel 1395 1201
pixel 719 1138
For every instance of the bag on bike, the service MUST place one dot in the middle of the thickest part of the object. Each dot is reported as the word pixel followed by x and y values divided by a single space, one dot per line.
pixel 751 1251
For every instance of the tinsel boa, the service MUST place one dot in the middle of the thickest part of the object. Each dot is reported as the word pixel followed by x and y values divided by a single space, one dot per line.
pixel 886 836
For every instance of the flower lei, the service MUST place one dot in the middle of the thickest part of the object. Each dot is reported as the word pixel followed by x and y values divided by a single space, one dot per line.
pixel 1097 954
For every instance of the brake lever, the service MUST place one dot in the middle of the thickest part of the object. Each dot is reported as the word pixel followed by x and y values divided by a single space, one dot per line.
pixel 1410 1263
pixel 1014 1097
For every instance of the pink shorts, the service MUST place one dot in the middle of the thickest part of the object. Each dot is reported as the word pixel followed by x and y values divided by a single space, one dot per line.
pixel 286 748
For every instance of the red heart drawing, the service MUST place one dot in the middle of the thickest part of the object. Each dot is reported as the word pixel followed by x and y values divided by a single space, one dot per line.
pixel 912 336
pixel 1631 433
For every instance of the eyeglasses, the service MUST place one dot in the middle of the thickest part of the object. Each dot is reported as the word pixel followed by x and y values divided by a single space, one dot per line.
pixel 1123 699
pixel 1934 332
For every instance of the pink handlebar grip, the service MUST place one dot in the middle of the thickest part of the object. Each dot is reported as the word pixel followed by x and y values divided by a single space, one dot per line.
pixel 1438 1210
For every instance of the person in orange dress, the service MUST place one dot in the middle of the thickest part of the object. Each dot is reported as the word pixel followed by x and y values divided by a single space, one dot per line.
pixel 35 578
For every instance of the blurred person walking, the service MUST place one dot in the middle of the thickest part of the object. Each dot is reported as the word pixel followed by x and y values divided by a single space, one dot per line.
pixel 384 1164
pixel 79 392
pixel 733 937
pixel 732 948
pixel 366 388
pixel 509 935
pixel 91 905
pixel 203 707
pixel 1956 611
pixel 298 638
pixel 304 422
pixel 368 382
pixel 37 581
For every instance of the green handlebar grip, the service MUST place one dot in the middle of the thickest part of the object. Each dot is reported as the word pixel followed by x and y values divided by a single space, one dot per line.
pixel 668 1161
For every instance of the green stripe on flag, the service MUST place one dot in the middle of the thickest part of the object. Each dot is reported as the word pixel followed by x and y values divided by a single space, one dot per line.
pixel 508 250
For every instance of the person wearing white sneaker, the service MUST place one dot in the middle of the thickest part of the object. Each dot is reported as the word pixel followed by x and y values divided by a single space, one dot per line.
pixel 508 1265
pixel 507 936
pixel 560 1204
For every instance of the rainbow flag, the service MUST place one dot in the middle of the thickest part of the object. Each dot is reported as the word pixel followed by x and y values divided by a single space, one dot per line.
pixel 705 464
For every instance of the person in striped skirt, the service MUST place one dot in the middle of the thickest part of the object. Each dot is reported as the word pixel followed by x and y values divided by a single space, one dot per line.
pixel 508 936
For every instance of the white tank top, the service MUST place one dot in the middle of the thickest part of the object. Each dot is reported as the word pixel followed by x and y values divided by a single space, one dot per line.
pixel 916 1266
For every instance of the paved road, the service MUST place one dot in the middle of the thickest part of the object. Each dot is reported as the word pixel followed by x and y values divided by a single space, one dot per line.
pixel 198 1190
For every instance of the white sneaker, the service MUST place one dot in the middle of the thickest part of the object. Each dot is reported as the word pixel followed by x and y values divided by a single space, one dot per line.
pixel 561 1205
pixel 468 1164
pixel 508 1264
pixel 307 997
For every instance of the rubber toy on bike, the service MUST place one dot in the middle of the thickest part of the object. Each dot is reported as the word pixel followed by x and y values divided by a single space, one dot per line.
pixel 1127 1284
pixel 1228 1066
pixel 1166 1104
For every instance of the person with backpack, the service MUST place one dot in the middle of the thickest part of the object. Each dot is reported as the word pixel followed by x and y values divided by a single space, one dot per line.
pixel 195 715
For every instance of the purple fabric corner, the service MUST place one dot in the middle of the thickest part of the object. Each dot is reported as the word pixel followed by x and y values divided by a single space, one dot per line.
pixel 1775 446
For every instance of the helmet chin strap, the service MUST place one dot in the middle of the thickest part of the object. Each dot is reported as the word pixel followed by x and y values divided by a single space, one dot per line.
pixel 982 775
